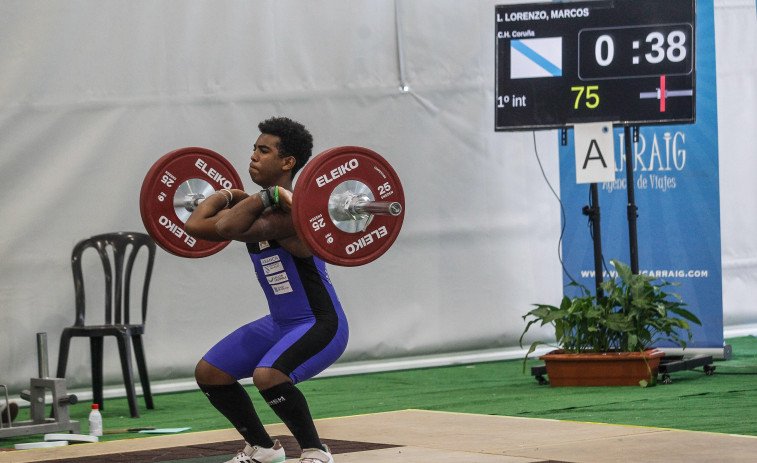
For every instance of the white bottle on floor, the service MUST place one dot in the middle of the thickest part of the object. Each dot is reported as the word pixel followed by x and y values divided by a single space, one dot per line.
pixel 95 421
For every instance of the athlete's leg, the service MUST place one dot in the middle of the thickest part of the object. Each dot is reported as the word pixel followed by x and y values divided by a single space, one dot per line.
pixel 303 351
pixel 290 406
pixel 233 358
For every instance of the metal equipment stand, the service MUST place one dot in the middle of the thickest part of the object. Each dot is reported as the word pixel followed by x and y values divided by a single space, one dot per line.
pixel 631 136
pixel 671 364
pixel 38 424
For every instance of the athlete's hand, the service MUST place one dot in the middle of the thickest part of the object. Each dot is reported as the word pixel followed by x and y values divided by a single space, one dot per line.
pixel 237 196
pixel 285 199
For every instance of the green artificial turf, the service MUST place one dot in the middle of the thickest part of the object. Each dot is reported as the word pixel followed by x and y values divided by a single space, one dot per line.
pixel 723 403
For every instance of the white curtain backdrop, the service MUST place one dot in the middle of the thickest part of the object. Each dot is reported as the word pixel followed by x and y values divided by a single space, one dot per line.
pixel 93 92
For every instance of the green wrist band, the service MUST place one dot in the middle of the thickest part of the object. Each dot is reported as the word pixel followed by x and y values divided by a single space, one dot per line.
pixel 273 193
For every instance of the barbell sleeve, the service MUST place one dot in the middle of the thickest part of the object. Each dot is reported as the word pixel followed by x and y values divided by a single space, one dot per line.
pixel 189 202
pixel 376 207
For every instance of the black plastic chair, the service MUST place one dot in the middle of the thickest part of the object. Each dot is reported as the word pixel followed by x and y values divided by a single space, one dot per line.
pixel 118 252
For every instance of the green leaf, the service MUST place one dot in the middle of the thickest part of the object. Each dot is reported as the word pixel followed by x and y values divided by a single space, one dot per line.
pixel 686 314
pixel 624 271
pixel 530 351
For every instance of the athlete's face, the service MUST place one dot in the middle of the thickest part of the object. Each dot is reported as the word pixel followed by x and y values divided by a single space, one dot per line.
pixel 266 166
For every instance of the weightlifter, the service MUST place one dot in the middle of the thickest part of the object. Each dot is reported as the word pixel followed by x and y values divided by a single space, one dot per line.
pixel 306 329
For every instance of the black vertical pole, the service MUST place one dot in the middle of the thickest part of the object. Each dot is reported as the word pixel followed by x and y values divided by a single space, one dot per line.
pixel 631 209
pixel 594 215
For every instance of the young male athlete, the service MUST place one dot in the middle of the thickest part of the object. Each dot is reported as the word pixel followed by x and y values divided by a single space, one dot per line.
pixel 306 330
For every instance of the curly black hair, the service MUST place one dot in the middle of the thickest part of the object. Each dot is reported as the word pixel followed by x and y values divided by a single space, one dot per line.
pixel 296 140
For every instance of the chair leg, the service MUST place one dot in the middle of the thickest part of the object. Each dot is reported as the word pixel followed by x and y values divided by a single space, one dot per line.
pixel 96 349
pixel 139 354
pixel 124 350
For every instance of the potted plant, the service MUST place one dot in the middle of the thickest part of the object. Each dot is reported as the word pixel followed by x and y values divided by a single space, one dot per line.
pixel 607 340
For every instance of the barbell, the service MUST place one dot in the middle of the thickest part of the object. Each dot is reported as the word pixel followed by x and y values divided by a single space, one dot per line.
pixel 347 207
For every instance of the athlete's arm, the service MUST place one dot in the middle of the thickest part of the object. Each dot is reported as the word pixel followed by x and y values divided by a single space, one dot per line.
pixel 202 222
pixel 250 221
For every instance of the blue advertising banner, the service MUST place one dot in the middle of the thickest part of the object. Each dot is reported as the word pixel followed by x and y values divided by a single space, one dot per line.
pixel 675 175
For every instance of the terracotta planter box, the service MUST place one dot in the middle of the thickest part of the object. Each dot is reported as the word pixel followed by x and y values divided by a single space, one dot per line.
pixel 603 369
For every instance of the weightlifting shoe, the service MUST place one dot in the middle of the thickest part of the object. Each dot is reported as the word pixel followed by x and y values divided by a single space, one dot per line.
pixel 317 455
pixel 256 454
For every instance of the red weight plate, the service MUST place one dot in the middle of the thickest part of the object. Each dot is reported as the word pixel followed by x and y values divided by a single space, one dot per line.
pixel 313 191
pixel 157 196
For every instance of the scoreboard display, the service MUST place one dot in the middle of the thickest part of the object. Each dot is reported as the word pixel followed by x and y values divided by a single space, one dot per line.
pixel 630 62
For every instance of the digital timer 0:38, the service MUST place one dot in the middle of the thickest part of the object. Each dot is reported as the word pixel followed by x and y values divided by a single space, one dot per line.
pixel 635 51
pixel 625 61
